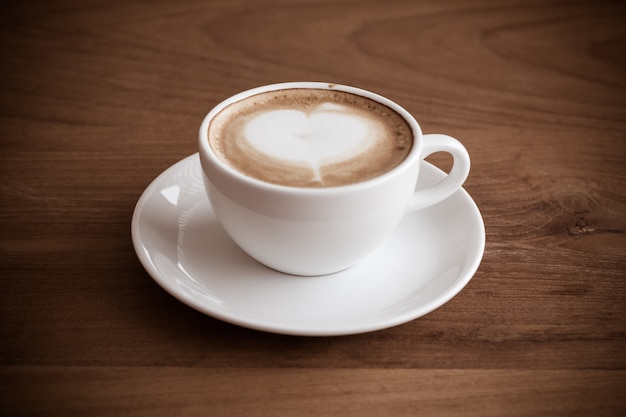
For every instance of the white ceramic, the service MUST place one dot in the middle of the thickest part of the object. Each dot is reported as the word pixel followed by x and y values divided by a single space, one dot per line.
pixel 317 231
pixel 429 258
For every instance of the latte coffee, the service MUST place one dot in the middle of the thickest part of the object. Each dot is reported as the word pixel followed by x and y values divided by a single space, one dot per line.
pixel 314 138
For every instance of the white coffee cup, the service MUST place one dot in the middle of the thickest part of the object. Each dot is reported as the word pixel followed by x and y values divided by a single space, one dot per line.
pixel 319 231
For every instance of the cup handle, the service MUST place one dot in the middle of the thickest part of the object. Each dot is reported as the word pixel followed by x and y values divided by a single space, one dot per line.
pixel 455 179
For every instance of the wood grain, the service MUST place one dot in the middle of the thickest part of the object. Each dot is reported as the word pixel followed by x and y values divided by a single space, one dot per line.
pixel 99 97
pixel 152 391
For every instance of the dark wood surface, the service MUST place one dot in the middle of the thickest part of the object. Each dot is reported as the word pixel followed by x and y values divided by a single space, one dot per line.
pixel 99 97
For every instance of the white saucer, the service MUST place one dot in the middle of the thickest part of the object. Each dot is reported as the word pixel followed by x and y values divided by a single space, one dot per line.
pixel 432 255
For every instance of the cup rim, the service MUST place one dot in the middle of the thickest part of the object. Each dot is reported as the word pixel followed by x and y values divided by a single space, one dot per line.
pixel 207 151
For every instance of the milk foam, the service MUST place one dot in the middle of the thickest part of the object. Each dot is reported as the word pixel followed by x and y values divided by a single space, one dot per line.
pixel 310 137
pixel 329 133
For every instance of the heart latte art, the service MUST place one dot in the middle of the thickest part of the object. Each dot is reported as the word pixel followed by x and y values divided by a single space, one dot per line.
pixel 310 137
pixel 327 134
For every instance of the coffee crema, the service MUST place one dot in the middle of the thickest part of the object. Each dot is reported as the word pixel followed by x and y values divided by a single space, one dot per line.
pixel 314 138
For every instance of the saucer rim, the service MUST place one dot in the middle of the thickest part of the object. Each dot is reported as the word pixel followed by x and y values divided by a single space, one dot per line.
pixel 464 277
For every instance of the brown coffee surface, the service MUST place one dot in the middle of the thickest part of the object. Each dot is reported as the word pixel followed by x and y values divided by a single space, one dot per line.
pixel 274 137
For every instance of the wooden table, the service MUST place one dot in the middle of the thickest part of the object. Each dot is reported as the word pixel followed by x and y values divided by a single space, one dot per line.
pixel 99 97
